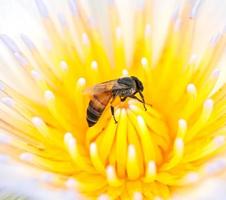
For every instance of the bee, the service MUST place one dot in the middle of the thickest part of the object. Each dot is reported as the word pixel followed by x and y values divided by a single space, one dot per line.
pixel 104 92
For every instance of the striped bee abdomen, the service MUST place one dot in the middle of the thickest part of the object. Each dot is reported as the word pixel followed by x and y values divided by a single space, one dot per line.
pixel 93 114
pixel 96 107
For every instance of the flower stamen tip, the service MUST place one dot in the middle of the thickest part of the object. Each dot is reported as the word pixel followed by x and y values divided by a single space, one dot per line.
pixel 207 109
pixel 73 7
pixel 208 104
pixel 37 121
pixel 67 137
pixel 125 72
pixel 150 171
pixel 191 88
pixel 63 65
pixel 36 75
pixel 4 139
pixel 93 148
pixel 144 61
pixel 193 59
pixel 216 73
pixel 140 120
pixel 85 38
pixel 158 198
pixel 49 95
pixel 70 183
pixel 94 65
pixel 215 166
pixel 179 146
pixel 137 196
pixel 112 176
pixel 192 177
pixel 219 140
pixel 103 197
pixel 21 59
pixel 118 32
pixel 131 151
pixel 2 87
pixel 71 143
pixel 8 101
pixel 81 81
pixel 182 128
pixel 147 29
pixel 195 8
pixel 28 157
pixel 42 8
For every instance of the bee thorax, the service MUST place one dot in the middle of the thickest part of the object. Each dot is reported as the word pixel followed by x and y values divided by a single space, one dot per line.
pixel 126 93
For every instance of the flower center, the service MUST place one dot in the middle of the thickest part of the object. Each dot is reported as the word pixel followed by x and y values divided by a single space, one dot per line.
pixel 132 148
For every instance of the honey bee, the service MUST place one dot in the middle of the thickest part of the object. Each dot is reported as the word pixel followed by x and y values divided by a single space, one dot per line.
pixel 104 92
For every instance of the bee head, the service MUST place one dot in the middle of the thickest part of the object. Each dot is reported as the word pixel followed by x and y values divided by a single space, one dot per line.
pixel 139 84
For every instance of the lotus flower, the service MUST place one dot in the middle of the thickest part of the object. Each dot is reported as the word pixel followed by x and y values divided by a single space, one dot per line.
pixel 149 154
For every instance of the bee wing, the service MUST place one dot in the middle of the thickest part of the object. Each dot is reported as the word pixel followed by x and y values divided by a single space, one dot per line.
pixel 105 87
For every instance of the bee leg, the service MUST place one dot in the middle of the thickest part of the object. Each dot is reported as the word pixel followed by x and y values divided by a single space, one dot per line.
pixel 123 99
pixel 134 97
pixel 113 114
pixel 142 101
pixel 142 97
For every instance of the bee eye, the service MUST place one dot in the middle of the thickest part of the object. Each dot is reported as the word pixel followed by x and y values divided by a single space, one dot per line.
pixel 140 86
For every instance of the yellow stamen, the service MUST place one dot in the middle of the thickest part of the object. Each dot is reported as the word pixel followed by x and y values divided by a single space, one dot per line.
pixel 146 140
pixel 112 176
pixel 41 126
pixel 133 170
pixel 182 128
pixel 205 115
pixel 72 147
pixel 121 144
pixel 95 158
pixel 150 173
